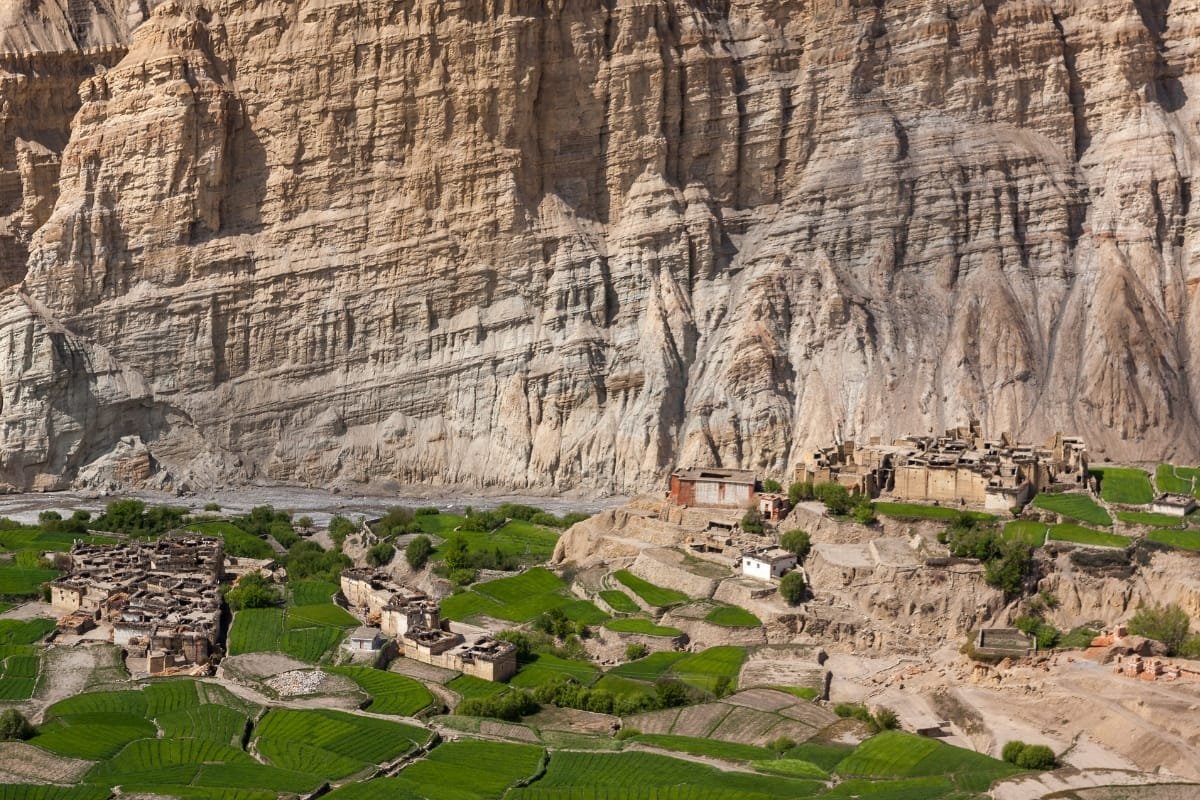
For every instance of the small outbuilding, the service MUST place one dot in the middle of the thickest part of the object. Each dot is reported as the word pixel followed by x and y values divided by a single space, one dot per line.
pixel 365 639
pixel 768 563
pixel 719 488
pixel 1174 505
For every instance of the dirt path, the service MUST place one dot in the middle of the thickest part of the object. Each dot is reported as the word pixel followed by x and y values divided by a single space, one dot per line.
pixel 65 673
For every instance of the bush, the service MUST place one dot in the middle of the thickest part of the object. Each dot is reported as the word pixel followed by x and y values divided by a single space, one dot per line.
pixel 13 725
pixel 1029 756
pixel 426 511
pixel 305 522
pixel 132 517
pixel 306 559
pixel 252 591
pixel 835 497
pixel 381 554
pixel 396 521
pixel 212 506
pixel 636 650
pixel 455 552
pixel 885 719
pixel 671 693
pixel 418 551
pixel 339 528
pixel 1190 647
pixel 796 542
pixel 799 492
pixel 752 521
pixel 864 513
pixel 1168 624
pixel 1012 751
pixel 771 485
pixel 462 577
pixel 509 706
pixel 1009 570
pixel 627 733
pixel 792 588
pixel 782 744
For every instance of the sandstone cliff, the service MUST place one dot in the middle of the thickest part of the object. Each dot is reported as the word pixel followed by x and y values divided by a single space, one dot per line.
pixel 551 244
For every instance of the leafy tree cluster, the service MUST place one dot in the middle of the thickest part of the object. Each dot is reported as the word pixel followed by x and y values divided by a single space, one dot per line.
pixel 1044 633
pixel 427 511
pixel 481 520
pixel 1029 756
pixel 636 650
pixel 771 485
pixel 381 554
pixel 555 623
pixel 307 560
pixel 418 551
pixel 14 726
pixel 339 528
pixel 566 692
pixel 800 492
pixel 396 522
pixel 510 706
pixel 252 591
pixel 792 588
pixel 884 719
pixel 458 555
pixel 132 517
pixel 1007 563
pixel 263 521
pixel 1168 624
pixel 53 522
pixel 796 542
pixel 752 521
pixel 836 498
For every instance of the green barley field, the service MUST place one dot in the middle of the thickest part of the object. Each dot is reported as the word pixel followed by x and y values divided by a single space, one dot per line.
pixel 1124 485
pixel 1075 506
pixel 656 596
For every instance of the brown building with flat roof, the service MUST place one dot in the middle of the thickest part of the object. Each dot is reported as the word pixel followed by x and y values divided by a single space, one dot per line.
pixel 713 487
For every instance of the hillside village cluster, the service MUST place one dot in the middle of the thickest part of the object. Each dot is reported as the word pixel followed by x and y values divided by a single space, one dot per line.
pixel 160 600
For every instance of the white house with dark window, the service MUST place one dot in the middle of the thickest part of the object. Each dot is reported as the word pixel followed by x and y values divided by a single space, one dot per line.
pixel 1175 505
pixel 365 639
pixel 768 563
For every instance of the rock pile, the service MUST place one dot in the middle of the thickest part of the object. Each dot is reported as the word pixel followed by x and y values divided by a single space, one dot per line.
pixel 297 682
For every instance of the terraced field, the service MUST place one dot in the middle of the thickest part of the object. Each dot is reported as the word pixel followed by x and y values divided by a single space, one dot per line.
pixel 546 668
pixel 19 657
pixel 653 595
pixel 331 744
pixel 733 617
pixel 1124 485
pixel 309 632
pixel 1177 480
pixel 1031 533
pixel 520 599
pixel 1069 532
pixel 237 541
pixel 390 692
pixel 1184 540
pixel 916 511
pixel 1075 506
pixel 641 625
pixel 650 668
pixel 903 755
pixel 619 601
pixel 469 687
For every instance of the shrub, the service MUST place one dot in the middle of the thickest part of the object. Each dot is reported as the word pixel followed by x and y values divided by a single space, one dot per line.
pixel 864 513
pixel 1029 756
pixel 13 725
pixel 752 521
pixel 797 542
pixel 835 497
pixel 799 492
pixel 671 693
pixel 455 552
pixel 305 522
pixel 509 706
pixel 339 528
pixel 418 551
pixel 1190 647
pixel 426 511
pixel 792 588
pixel 306 559
pixel 772 485
pixel 627 733
pixel 212 506
pixel 381 554
pixel 1009 570
pixel 1012 751
pixel 396 521
pixel 782 744
pixel 252 591
pixel 636 650
pixel 885 719
pixel 1168 624
pixel 462 577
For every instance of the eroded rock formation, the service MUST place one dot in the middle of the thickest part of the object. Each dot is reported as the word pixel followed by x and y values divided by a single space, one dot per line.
pixel 552 244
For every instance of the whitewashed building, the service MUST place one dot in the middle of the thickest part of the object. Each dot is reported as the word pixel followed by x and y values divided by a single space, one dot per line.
pixel 768 563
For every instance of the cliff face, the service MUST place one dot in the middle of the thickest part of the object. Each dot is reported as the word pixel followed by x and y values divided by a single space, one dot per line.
pixel 551 244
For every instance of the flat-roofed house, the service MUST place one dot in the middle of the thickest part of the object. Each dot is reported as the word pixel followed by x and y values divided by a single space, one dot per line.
pixel 768 563
pixel 718 488
pixel 1174 505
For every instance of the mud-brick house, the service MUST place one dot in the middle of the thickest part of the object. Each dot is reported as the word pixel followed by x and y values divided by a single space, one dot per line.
pixel 715 488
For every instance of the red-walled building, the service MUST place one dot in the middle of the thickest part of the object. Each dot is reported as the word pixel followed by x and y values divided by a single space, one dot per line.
pixel 719 488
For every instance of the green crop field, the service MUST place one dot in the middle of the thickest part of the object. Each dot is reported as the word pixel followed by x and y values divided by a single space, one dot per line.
pixel 733 617
pixel 521 598
pixel 1149 520
pixel 705 668
pixel 331 744
pixel 619 601
pixel 791 767
pixel 466 769
pixel 531 544
pixel 21 582
pixel 320 614
pixel 390 692
pixel 468 687
pixel 1031 533
pixel 730 751
pixel 650 668
pixel 30 791
pixel 311 593
pixel 1184 540
pixel 904 755
pixel 825 755
pixel 1069 532
pixel 237 541
pixel 19 658
pixel 1177 480
pixel 916 511
pixel 209 721
pixel 256 630
pixel 618 686
pixel 1075 506
pixel 307 632
pixel 649 776
pixel 641 625
pixel 545 668
pixel 656 596
pixel 1124 485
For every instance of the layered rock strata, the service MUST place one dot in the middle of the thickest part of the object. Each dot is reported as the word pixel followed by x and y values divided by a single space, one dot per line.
pixel 561 244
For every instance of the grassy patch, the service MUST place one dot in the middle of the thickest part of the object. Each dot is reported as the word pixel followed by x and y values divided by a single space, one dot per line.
pixel 1184 540
pixel 915 511
pixel 1031 533
pixel 619 601
pixel 529 543
pixel 641 625
pixel 1124 485
pixel 461 770
pixel 706 668
pixel 390 692
pixel 714 748
pixel 1148 519
pixel 331 743
pixel 439 524
pixel 894 754
pixel 19 580
pixel 1069 532
pixel 1177 480
pixel 311 593
pixel 733 617
pixel 792 768
pixel 309 632
pixel 468 687
pixel 803 692
pixel 618 686
pixel 656 596
pixel 237 541
pixel 650 668
pixel 545 668
pixel 1075 506
pixel 520 598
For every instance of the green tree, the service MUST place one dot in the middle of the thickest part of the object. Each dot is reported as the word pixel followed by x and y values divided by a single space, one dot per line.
pixel 799 492
pixel 1168 624
pixel 835 497
pixel 636 650
pixel 305 523
pixel 782 744
pixel 792 588
pixel 1036 756
pixel 418 551
pixel 339 528
pixel 252 591
pixel 752 521
pixel 1012 750
pixel 381 554
pixel 13 725
pixel 796 542
pixel 1008 571
pixel 771 485
pixel 670 693
pixel 864 512
pixel 456 552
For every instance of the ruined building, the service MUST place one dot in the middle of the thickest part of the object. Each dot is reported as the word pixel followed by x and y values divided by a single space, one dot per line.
pixel 482 657
pixel 960 467
pixel 161 598
pixel 394 608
